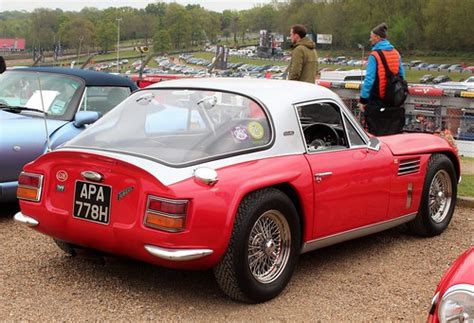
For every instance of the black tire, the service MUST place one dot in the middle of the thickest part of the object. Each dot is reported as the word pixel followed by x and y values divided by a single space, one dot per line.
pixel 235 274
pixel 439 191
pixel 66 247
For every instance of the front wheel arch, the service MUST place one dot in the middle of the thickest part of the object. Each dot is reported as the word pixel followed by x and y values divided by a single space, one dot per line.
pixel 438 198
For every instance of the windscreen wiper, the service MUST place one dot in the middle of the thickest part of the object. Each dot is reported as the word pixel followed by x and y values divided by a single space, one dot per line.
pixel 18 109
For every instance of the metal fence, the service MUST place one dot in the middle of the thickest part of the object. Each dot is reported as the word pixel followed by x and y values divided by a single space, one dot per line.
pixel 427 109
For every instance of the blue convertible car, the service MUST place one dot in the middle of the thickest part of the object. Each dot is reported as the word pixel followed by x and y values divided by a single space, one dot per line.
pixel 58 101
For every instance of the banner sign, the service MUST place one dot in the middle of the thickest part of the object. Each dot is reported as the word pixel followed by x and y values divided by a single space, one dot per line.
pixel 324 39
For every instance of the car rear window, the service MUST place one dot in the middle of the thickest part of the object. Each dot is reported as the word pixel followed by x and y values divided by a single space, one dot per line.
pixel 180 126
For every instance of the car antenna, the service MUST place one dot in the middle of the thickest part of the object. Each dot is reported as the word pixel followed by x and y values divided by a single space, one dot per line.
pixel 48 143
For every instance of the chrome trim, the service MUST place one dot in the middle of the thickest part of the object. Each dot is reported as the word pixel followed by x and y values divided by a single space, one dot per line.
pixel 24 219
pixel 269 247
pixel 92 176
pixel 39 189
pixel 434 302
pixel 174 216
pixel 409 195
pixel 355 233
pixel 409 166
pixel 343 113
pixel 177 254
pixel 319 176
pixel 459 288
pixel 373 144
pixel 206 175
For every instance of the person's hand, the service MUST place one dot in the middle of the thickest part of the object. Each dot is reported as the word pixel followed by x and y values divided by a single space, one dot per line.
pixel 361 107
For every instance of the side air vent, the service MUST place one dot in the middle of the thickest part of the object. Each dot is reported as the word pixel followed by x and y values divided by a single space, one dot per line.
pixel 409 166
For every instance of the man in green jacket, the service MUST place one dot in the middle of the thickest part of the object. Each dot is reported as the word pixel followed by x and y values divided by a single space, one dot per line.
pixel 304 59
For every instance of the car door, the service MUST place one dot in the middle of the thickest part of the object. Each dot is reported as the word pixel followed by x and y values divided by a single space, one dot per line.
pixel 351 182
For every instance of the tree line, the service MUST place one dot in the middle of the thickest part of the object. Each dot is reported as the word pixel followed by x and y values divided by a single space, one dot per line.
pixel 445 25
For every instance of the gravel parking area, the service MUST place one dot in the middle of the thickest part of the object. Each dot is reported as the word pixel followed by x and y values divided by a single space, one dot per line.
pixel 387 276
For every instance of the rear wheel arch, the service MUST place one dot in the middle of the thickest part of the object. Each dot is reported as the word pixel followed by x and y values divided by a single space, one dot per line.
pixel 232 275
pixel 291 192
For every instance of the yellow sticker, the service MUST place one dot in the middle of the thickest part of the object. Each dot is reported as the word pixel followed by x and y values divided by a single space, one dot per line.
pixel 354 86
pixel 466 94
pixel 255 129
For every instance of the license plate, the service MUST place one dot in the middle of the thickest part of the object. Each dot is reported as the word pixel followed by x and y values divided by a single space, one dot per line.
pixel 92 202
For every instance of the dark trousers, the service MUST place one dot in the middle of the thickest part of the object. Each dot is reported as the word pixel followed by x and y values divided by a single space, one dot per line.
pixel 382 121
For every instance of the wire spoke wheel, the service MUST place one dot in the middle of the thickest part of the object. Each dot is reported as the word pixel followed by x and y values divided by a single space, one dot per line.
pixel 440 196
pixel 269 246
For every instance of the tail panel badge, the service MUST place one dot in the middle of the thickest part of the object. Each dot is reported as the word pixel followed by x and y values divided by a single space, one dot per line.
pixel 61 175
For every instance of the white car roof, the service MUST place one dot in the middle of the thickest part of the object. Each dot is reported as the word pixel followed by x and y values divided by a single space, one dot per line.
pixel 272 93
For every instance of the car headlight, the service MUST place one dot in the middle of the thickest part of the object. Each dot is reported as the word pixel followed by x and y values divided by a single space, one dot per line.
pixel 457 304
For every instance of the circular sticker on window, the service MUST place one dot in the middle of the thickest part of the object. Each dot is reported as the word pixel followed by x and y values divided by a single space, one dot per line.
pixel 255 130
pixel 240 133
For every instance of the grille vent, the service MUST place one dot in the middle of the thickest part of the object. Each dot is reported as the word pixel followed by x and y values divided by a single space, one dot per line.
pixel 409 166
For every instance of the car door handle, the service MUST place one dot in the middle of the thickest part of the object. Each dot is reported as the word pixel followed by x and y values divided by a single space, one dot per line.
pixel 319 176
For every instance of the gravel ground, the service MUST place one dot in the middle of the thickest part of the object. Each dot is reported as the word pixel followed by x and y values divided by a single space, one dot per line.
pixel 386 276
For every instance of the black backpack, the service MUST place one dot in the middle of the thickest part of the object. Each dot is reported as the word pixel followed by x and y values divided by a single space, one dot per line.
pixel 396 90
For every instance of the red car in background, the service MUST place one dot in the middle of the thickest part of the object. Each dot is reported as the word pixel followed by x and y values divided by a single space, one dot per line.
pixel 454 295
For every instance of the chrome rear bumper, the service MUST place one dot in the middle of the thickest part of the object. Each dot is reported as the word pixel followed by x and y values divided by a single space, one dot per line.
pixel 29 221
pixel 177 254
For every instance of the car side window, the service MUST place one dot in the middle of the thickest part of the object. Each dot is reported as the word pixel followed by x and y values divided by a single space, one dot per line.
pixel 103 98
pixel 354 137
pixel 323 127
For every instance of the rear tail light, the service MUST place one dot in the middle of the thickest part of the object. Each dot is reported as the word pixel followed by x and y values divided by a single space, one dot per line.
pixel 29 186
pixel 166 214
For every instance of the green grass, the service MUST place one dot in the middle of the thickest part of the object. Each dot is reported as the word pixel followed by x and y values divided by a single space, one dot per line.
pixel 466 188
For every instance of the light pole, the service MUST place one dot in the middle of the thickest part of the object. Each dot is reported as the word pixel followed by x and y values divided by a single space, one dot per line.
pixel 118 43
pixel 81 38
pixel 361 47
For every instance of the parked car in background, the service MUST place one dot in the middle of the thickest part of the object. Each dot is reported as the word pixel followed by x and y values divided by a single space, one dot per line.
pixel 41 107
pixel 455 68
pixel 441 79
pixel 427 78
pixel 468 69
pixel 415 63
pixel 422 66
pixel 469 80
pixel 432 67
pixel 454 296
pixel 194 174
pixel 443 67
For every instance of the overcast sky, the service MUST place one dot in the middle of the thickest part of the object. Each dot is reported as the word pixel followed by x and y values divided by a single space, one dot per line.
pixel 76 5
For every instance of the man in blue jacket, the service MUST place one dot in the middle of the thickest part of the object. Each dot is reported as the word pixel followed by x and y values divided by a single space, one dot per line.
pixel 380 119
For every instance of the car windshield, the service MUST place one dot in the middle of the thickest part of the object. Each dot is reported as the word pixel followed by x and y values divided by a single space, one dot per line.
pixel 21 89
pixel 180 126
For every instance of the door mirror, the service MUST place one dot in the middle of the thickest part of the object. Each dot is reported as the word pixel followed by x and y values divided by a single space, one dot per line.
pixel 83 118
pixel 374 144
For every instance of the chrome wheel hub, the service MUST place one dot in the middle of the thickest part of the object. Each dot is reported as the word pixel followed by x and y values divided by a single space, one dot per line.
pixel 440 196
pixel 269 246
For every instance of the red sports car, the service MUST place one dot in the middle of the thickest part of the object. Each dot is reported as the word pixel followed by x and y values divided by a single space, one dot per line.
pixel 454 295
pixel 237 175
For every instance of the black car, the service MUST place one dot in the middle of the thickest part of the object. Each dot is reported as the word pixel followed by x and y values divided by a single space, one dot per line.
pixel 427 78
pixel 441 79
